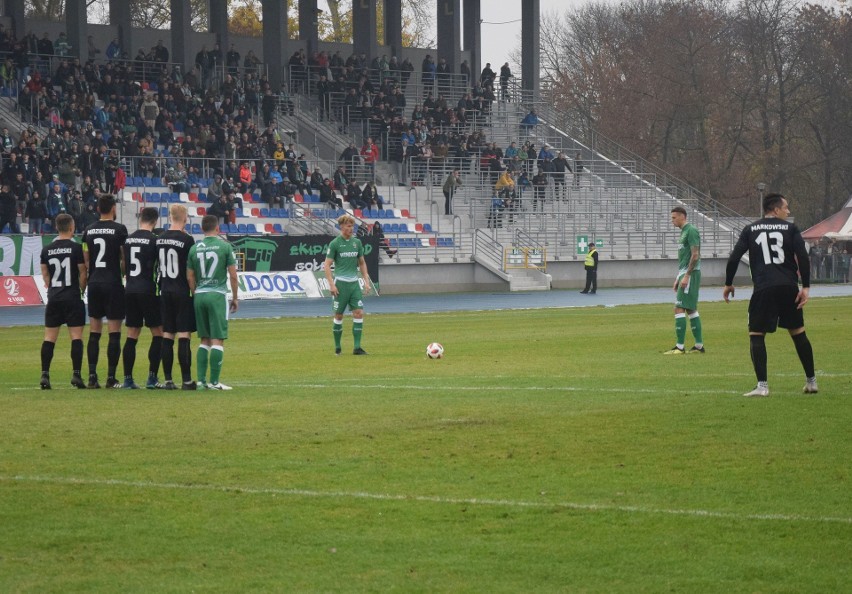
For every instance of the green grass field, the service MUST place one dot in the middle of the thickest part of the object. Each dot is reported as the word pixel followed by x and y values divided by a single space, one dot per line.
pixel 550 450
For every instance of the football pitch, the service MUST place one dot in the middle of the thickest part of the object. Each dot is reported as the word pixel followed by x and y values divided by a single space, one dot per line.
pixel 551 450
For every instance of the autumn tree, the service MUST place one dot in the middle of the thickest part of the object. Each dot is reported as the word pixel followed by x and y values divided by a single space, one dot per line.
pixel 336 24
pixel 245 18
pixel 722 96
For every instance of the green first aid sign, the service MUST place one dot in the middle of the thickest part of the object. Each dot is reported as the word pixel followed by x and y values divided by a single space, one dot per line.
pixel 583 244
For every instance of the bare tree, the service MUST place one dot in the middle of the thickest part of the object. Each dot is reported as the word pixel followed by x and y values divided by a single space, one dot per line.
pixel 720 95
pixel 416 22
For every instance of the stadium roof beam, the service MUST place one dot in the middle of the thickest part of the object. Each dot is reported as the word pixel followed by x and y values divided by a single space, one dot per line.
pixel 180 34
pixel 449 33
pixel 393 26
pixel 219 25
pixel 530 46
pixel 308 25
pixel 119 16
pixel 473 35
pixel 75 27
pixel 364 28
pixel 275 36
pixel 14 9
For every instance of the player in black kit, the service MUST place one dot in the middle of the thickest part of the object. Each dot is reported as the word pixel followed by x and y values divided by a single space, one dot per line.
pixel 102 243
pixel 778 258
pixel 178 311
pixel 141 266
pixel 63 269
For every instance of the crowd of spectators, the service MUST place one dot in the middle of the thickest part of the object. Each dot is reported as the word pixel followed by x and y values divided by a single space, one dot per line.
pixel 145 117
pixel 436 131
pixel 107 118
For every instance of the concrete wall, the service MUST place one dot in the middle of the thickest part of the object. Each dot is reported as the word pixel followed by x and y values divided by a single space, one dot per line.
pixel 434 278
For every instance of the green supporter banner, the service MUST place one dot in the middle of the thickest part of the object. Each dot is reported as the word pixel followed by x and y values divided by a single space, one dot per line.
pixel 20 255
pixel 297 253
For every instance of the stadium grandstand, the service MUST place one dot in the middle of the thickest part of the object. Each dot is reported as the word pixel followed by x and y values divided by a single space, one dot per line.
pixel 281 147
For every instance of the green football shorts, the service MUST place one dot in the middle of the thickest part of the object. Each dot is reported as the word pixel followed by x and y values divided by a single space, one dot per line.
pixel 211 315
pixel 349 295
pixel 688 298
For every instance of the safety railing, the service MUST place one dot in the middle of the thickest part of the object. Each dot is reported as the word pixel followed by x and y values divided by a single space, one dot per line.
pixel 487 249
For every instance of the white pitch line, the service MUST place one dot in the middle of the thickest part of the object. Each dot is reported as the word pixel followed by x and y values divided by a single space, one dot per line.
pixel 421 387
pixel 590 507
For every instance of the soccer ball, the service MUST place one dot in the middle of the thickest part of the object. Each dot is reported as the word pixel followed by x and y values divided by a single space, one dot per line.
pixel 434 350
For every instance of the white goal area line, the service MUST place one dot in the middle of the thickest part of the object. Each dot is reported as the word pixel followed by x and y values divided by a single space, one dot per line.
pixel 590 507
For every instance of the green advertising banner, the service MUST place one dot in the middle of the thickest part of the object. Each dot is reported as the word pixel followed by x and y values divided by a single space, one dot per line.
pixel 20 255
pixel 296 253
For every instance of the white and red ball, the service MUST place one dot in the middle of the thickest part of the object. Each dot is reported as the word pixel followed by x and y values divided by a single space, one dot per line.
pixel 434 350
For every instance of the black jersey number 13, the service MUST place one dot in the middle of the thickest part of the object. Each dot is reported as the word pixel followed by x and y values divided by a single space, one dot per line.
pixel 771 242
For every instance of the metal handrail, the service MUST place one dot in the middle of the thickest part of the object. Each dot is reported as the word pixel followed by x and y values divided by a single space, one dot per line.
pixel 486 247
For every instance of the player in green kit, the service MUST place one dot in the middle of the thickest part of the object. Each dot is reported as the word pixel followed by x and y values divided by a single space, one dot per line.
pixel 687 284
pixel 346 253
pixel 211 261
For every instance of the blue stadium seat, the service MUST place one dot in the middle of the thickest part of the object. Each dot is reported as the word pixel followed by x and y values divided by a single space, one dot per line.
pixel 393 242
pixel 240 212
pixel 264 212
pixel 274 213
pixel 276 227
pixel 250 228
pixel 196 229
pixel 241 228
pixel 403 228
pixel 427 228
pixel 164 211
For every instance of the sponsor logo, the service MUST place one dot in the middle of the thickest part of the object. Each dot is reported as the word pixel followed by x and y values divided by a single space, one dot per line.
pixel 281 283
pixel 257 251
pixel 12 288
pixel 304 249
pixel 312 265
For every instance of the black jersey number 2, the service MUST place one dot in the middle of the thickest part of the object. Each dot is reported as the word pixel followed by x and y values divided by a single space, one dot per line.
pixel 772 244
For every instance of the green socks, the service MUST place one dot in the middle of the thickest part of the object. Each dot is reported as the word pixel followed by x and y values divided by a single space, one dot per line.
pixel 357 330
pixel 217 354
pixel 695 326
pixel 338 332
pixel 201 359
pixel 680 329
